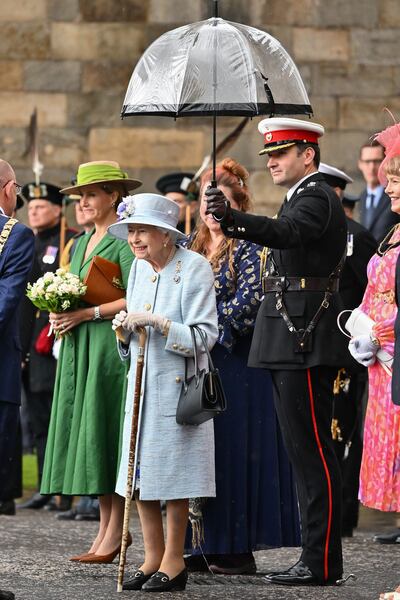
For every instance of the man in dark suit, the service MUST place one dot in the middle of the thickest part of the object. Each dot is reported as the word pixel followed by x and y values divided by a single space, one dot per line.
pixel 375 208
pixel 16 254
pixel 296 335
pixel 44 213
pixel 351 377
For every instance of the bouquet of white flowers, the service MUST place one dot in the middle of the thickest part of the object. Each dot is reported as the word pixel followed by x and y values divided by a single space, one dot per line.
pixel 56 292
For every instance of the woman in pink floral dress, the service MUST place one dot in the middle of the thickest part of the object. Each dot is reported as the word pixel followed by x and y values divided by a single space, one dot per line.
pixel 380 469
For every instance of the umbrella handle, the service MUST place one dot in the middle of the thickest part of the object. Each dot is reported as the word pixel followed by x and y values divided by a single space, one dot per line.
pixel 131 460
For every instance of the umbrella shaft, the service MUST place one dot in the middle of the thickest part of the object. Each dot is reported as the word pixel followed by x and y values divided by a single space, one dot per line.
pixel 214 151
pixel 216 9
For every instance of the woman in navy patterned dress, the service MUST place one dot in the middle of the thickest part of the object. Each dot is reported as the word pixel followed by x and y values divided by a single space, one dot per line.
pixel 256 505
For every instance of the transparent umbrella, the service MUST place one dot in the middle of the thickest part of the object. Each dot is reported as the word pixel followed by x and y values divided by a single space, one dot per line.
pixel 216 67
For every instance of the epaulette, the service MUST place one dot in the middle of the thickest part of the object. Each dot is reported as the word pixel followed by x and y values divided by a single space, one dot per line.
pixel 311 184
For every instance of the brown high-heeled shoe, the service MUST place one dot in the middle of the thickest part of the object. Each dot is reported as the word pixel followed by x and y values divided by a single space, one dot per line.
pixel 104 558
pixel 78 557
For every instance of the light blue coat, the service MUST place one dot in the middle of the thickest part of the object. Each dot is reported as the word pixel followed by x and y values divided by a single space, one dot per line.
pixel 174 461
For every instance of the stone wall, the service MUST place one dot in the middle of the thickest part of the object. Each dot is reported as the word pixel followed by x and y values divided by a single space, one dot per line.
pixel 72 59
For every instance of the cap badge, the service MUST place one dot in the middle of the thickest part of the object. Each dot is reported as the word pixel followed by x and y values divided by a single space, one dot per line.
pixel 312 184
pixel 300 190
pixel 268 136
pixel 37 191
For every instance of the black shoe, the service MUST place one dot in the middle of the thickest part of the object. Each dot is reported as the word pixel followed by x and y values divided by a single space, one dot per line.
pixel 67 515
pixel 6 595
pixel 347 532
pixel 299 574
pixel 89 516
pixel 36 501
pixel 160 582
pixel 63 504
pixel 195 563
pixel 388 538
pixel 7 507
pixel 234 564
pixel 136 582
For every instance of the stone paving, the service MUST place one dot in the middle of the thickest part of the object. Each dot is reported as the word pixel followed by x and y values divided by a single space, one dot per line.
pixel 35 547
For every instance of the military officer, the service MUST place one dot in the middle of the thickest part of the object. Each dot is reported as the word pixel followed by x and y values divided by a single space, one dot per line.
pixel 296 335
pixel 39 366
pixel 351 378
pixel 176 187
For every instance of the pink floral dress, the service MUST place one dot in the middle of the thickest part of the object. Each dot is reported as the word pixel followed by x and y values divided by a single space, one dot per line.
pixel 380 468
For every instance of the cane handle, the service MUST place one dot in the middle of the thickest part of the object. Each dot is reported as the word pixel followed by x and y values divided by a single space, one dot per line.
pixel 119 334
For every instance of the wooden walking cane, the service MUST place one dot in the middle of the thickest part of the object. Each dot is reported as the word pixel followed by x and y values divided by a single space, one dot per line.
pixel 132 449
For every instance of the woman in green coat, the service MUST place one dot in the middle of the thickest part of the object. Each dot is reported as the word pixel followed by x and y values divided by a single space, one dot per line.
pixel 88 404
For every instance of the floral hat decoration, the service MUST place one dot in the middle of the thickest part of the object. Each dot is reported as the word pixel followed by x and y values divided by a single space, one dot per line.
pixel 146 209
pixel 389 138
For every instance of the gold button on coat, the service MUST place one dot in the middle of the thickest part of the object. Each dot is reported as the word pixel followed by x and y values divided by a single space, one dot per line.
pixel 178 379
pixel 175 346
pixel 147 306
pixel 154 278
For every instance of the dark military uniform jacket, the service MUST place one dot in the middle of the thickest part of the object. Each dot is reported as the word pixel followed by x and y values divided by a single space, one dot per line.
pixel 42 368
pixel 361 246
pixel 308 239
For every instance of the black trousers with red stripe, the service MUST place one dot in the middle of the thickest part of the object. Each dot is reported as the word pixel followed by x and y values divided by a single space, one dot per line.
pixel 303 401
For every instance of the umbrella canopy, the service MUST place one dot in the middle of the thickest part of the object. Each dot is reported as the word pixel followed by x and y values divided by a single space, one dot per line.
pixel 216 67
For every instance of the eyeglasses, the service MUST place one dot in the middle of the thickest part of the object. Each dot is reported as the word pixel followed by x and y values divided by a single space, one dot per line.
pixel 18 188
pixel 372 161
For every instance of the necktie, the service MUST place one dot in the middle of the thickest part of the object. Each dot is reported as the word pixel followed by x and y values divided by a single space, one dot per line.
pixel 370 204
pixel 369 214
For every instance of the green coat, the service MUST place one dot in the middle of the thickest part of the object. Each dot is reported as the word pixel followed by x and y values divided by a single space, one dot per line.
pixel 88 404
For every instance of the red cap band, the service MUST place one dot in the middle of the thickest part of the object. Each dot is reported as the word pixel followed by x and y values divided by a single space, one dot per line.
pixel 289 135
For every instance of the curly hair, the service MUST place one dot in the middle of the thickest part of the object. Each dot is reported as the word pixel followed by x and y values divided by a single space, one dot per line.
pixel 234 176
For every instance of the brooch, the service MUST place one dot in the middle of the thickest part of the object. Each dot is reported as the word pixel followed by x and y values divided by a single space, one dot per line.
pixel 178 269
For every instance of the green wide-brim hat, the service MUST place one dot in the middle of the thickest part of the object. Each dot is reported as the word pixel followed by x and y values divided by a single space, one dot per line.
pixel 101 172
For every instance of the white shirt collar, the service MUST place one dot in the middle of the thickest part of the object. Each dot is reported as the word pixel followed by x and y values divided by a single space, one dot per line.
pixel 296 185
pixel 2 211
pixel 377 192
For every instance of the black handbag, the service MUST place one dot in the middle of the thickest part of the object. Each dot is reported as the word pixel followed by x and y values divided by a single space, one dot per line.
pixel 202 395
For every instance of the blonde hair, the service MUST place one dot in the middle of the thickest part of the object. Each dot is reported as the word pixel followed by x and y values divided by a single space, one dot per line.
pixel 392 166
pixel 234 176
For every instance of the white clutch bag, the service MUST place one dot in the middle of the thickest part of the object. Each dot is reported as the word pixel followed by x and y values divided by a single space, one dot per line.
pixel 361 324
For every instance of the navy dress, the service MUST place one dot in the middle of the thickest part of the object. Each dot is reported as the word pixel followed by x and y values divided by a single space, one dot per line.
pixel 256 504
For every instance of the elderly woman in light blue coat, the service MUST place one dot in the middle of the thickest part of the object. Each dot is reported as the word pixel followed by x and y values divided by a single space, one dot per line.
pixel 169 289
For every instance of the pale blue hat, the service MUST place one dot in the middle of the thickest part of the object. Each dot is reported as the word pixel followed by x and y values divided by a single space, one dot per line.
pixel 146 209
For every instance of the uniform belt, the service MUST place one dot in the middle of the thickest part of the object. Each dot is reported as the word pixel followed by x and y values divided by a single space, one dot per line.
pixel 300 284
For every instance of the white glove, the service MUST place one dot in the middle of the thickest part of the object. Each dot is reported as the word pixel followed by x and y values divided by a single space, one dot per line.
pixel 117 325
pixel 363 349
pixel 135 320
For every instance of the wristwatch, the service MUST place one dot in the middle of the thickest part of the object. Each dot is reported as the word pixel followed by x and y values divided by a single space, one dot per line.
pixel 97 316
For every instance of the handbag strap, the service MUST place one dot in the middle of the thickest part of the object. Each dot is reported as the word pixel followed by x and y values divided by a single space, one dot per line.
pixel 203 337
pixel 339 324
